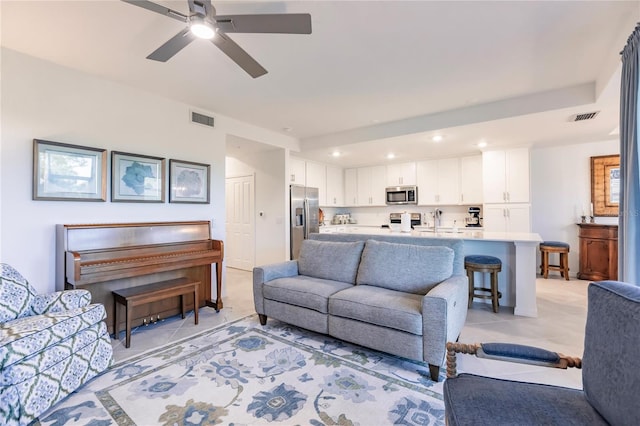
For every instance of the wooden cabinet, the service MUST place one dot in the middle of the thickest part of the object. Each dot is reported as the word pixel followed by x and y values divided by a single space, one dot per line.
pixel 335 187
pixel 598 252
pixel 438 182
pixel 297 174
pixel 505 176
pixel 471 180
pixel 371 184
pixel 401 174
pixel 506 217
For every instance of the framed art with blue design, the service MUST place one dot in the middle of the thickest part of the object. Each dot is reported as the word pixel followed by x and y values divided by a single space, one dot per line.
pixel 65 172
pixel 137 178
pixel 189 182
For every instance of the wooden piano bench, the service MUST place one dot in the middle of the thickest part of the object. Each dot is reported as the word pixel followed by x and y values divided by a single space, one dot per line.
pixel 135 296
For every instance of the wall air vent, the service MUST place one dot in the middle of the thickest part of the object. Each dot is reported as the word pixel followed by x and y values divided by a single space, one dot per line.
pixel 584 116
pixel 198 118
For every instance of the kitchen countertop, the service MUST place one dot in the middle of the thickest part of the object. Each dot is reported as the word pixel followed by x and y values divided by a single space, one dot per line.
pixel 463 233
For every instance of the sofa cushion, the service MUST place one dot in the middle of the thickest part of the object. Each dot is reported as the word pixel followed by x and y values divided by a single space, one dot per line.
pixel 308 292
pixel 379 306
pixel 16 294
pixel 58 351
pixel 471 399
pixel 24 337
pixel 335 261
pixel 404 267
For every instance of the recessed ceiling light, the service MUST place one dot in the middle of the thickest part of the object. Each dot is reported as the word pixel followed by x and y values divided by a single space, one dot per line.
pixel 437 138
pixel 482 144
pixel 391 156
pixel 336 154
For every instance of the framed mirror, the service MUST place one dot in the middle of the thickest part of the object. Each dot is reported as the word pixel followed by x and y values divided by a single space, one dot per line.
pixel 605 185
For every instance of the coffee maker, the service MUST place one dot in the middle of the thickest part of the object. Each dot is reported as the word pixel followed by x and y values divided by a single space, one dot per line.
pixel 473 220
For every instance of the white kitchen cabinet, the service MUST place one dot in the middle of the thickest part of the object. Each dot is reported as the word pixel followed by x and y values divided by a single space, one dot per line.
pixel 316 174
pixel 297 168
pixel 403 174
pixel 506 217
pixel 438 182
pixel 505 176
pixel 351 187
pixel 371 184
pixel 335 187
pixel 471 180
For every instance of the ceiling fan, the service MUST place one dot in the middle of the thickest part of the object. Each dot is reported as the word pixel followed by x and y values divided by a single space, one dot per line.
pixel 203 22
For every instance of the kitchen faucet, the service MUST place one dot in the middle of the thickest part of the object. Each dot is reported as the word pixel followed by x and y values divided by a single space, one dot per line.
pixel 437 218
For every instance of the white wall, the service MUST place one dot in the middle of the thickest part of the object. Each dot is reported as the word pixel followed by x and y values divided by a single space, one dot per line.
pixel 45 101
pixel 270 197
pixel 561 188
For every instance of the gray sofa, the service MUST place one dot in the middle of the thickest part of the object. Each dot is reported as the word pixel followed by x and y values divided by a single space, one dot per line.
pixel 405 296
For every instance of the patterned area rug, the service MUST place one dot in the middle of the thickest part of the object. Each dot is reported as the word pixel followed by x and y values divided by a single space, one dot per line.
pixel 243 373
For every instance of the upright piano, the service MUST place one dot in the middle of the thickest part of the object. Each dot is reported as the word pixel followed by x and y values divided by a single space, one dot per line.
pixel 106 257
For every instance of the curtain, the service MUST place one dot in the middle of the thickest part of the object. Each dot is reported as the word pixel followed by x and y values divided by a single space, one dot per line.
pixel 629 213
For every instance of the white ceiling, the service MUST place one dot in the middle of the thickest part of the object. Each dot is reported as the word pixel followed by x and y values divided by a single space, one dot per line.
pixel 373 77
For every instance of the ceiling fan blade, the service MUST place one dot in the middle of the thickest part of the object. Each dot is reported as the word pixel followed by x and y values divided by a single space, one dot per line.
pixel 281 23
pixel 158 9
pixel 238 55
pixel 172 46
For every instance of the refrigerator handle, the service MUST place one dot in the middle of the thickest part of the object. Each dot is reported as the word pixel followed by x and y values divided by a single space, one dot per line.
pixel 305 219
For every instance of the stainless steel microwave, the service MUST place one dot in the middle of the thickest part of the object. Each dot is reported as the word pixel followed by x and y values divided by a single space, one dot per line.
pixel 401 195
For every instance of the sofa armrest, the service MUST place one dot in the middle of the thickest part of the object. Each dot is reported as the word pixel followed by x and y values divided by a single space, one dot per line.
pixel 444 311
pixel 60 301
pixel 266 273
pixel 509 352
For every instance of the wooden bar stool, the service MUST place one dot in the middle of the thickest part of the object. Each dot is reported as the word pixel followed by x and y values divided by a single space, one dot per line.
pixel 482 263
pixel 559 247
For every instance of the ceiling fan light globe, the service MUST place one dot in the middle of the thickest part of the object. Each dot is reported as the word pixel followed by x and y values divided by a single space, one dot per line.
pixel 202 30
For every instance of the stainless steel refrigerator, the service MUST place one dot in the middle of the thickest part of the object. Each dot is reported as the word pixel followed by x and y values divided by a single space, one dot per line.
pixel 304 215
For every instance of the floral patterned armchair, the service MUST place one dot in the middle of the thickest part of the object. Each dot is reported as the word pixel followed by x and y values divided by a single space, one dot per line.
pixel 49 346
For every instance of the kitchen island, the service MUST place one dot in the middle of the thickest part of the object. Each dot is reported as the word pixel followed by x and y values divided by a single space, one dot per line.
pixel 516 250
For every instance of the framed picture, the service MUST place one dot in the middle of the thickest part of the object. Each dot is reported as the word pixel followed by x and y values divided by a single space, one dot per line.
pixel 137 178
pixel 63 172
pixel 605 185
pixel 189 182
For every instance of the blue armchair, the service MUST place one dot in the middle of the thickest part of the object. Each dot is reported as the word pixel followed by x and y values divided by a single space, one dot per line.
pixel 610 373
pixel 50 345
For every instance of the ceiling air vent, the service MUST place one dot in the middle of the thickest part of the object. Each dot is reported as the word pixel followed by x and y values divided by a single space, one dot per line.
pixel 584 116
pixel 198 118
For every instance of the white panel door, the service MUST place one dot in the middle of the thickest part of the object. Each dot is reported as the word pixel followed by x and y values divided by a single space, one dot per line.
pixel 240 226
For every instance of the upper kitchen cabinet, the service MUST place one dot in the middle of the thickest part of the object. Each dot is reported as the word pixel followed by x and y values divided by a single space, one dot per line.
pixel 297 175
pixel 505 176
pixel 371 184
pixel 471 180
pixel 401 174
pixel 351 187
pixel 335 187
pixel 438 182
pixel 317 178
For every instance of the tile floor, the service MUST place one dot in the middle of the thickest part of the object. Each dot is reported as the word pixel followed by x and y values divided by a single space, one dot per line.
pixel 562 308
